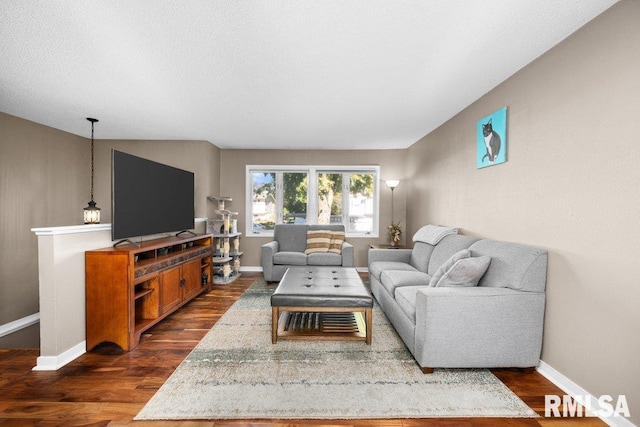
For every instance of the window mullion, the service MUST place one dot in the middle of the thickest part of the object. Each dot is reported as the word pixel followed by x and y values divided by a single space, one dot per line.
pixel 345 200
pixel 279 198
pixel 312 198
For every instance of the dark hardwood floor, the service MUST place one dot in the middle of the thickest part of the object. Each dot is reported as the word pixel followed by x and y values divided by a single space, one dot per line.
pixel 109 387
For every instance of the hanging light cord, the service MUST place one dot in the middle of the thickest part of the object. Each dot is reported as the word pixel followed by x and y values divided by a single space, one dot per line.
pixel 92 160
pixel 93 121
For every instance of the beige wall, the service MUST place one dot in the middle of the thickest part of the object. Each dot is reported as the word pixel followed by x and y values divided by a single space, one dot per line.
pixel 571 185
pixel 391 162
pixel 44 181
pixel 200 157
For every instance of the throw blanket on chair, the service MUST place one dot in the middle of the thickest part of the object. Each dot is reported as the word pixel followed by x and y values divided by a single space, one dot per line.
pixel 432 234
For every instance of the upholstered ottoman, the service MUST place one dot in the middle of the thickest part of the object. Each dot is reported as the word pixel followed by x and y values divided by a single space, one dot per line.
pixel 321 303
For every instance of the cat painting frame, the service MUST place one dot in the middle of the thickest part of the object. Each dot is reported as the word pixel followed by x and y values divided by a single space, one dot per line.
pixel 491 133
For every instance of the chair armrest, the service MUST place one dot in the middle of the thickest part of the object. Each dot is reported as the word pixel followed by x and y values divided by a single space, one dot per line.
pixel 478 327
pixel 347 254
pixel 267 252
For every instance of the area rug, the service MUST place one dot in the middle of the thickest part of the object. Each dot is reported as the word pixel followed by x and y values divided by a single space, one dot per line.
pixel 236 373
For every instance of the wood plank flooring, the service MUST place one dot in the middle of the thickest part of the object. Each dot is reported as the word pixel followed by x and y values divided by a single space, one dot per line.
pixel 109 387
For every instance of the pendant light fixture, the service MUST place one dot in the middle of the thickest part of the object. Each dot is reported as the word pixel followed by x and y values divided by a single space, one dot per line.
pixel 91 212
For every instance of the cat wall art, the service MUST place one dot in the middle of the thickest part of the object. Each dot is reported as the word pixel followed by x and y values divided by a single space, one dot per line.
pixel 492 139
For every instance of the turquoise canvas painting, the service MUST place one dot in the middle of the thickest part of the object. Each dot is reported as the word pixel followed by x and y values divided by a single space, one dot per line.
pixel 492 139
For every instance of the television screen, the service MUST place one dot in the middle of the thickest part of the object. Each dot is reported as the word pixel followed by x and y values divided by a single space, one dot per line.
pixel 149 197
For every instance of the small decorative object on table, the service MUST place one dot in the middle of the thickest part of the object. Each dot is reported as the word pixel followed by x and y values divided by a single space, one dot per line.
pixel 395 231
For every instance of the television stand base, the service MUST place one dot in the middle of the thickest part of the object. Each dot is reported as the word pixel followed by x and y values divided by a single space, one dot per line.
pixel 186 231
pixel 137 245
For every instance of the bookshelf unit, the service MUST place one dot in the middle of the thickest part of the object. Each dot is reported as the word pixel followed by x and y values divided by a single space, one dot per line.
pixel 129 289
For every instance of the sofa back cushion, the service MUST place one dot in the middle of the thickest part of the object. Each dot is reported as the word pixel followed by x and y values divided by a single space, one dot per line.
pixel 420 256
pixel 293 237
pixel 513 265
pixel 446 248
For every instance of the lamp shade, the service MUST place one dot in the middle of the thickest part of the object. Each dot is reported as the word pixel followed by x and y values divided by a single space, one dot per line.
pixel 393 183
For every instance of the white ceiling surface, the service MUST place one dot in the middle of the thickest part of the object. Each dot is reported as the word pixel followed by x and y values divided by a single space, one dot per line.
pixel 330 74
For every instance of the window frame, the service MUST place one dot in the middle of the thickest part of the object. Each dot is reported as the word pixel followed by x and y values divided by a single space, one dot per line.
pixel 312 194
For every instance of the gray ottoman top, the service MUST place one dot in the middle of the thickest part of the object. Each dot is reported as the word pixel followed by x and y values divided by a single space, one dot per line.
pixel 321 287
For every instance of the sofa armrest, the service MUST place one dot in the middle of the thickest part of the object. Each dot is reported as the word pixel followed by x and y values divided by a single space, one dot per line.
pixel 478 327
pixel 268 251
pixel 347 254
pixel 394 255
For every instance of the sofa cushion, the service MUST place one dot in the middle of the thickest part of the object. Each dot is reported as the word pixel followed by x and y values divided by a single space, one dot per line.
pixel 406 299
pixel 446 266
pixel 420 256
pixel 290 258
pixel 318 241
pixel 291 237
pixel 376 268
pixel 465 272
pixel 324 258
pixel 513 265
pixel 447 247
pixel 337 239
pixel 393 279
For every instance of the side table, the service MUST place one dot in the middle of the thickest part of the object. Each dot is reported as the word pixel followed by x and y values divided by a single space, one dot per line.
pixel 386 246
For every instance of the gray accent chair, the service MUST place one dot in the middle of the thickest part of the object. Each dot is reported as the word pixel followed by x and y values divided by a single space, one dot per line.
pixel 498 323
pixel 287 250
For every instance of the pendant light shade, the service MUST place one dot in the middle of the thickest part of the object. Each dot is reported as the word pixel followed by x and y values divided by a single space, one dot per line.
pixel 92 212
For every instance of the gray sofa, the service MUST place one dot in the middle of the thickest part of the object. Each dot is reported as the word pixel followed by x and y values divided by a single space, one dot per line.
pixel 288 246
pixel 497 323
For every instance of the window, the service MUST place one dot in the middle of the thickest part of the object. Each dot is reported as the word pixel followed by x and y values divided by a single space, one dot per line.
pixel 313 195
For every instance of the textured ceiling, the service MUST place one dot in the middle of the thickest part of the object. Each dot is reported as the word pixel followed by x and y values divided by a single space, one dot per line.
pixel 325 74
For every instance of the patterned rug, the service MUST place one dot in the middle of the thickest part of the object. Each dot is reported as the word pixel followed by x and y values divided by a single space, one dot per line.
pixel 236 373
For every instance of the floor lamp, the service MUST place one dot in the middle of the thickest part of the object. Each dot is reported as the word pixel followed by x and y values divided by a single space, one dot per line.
pixel 392 183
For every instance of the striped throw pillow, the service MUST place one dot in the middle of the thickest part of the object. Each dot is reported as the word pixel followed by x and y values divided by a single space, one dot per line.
pixel 318 241
pixel 337 238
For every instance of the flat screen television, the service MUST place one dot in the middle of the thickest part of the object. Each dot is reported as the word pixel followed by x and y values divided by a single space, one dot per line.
pixel 149 197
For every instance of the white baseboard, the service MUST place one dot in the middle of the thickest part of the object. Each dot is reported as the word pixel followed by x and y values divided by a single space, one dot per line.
pixel 16 325
pixel 251 269
pixel 53 363
pixel 573 390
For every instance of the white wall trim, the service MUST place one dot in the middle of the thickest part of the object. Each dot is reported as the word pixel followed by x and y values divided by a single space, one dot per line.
pixel 53 363
pixel 573 390
pixel 70 229
pixel 83 228
pixel 16 325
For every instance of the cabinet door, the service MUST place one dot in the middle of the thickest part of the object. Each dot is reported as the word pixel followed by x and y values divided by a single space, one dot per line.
pixel 191 279
pixel 170 289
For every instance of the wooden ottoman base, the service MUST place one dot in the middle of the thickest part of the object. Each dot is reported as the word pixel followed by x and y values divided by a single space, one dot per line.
pixel 321 323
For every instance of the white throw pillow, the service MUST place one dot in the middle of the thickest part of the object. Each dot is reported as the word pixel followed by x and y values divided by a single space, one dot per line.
pixel 465 253
pixel 465 272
